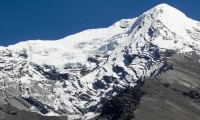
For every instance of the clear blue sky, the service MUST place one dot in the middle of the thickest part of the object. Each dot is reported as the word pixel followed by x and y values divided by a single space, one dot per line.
pixel 22 20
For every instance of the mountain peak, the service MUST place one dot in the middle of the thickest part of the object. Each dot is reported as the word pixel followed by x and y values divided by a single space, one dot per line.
pixel 163 5
pixel 170 18
pixel 77 74
pixel 165 10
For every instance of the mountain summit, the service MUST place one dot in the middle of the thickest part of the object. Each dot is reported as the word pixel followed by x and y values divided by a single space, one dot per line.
pixel 76 75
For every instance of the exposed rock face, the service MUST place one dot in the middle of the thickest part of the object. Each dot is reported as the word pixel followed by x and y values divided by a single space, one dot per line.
pixel 76 75
pixel 171 95
pixel 11 113
pixel 121 107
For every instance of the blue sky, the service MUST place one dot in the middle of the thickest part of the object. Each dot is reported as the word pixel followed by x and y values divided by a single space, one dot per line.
pixel 22 20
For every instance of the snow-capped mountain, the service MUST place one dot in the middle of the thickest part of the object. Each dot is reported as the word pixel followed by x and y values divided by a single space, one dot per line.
pixel 75 75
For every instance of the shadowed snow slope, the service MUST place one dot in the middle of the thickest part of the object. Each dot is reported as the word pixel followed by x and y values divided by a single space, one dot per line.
pixel 76 75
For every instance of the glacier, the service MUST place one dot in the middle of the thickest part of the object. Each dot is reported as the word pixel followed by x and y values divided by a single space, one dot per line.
pixel 76 75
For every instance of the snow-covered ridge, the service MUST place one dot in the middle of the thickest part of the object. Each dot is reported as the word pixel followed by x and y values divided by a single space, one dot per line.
pixel 77 74
pixel 74 48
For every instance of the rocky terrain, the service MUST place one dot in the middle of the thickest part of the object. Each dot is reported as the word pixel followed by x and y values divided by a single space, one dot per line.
pixel 102 71
pixel 173 95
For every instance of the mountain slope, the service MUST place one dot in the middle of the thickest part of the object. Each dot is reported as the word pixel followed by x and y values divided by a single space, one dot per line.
pixel 76 75
pixel 174 94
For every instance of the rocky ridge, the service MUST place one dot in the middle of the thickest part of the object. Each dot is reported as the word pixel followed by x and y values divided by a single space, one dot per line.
pixel 77 75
